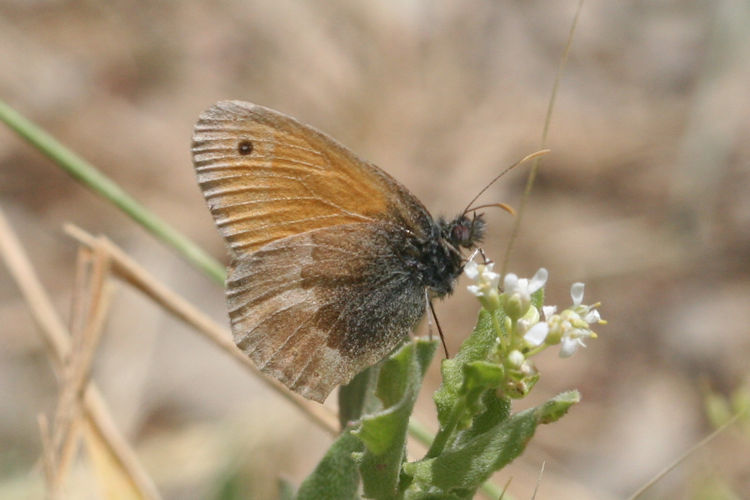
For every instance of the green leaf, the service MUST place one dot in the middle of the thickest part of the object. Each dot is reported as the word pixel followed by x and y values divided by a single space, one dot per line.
pixel 555 408
pixel 286 489
pixel 423 495
pixel 336 475
pixel 384 433
pixel 458 399
pixel 464 468
pixel 496 409
pixel 475 348
pixel 480 375
pixel 358 396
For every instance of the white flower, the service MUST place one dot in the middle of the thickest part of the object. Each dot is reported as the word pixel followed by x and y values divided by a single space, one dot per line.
pixel 589 314
pixel 536 334
pixel 573 339
pixel 471 270
pixel 518 292
pixel 576 293
pixel 573 324
pixel 485 284
pixel 549 311
pixel 524 287
pixel 485 280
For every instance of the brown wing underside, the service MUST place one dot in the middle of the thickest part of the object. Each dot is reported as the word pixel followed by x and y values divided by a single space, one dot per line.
pixel 290 179
pixel 314 309
pixel 318 288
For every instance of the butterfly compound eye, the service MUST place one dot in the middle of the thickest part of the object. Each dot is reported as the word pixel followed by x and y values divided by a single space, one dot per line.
pixel 245 148
pixel 466 232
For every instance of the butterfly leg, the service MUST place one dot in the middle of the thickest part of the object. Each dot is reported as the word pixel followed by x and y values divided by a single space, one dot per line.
pixel 437 324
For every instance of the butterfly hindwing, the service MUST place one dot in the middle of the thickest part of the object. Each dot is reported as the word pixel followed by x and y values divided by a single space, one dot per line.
pixel 314 309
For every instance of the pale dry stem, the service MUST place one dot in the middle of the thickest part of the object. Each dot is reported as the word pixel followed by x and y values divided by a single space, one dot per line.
pixel 91 301
pixel 58 343
pixel 543 143
pixel 48 454
pixel 697 446
pixel 132 273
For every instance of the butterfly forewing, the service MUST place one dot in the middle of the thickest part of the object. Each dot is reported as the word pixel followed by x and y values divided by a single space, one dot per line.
pixel 266 176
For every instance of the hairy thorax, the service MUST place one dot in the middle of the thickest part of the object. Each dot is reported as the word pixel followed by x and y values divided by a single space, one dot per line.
pixel 438 260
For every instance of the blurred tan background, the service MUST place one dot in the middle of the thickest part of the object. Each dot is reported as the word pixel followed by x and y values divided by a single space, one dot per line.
pixel 644 198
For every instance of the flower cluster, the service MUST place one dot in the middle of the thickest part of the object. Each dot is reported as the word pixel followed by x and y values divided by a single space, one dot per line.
pixel 526 328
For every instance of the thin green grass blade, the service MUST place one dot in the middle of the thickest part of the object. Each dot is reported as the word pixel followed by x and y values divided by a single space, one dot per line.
pixel 91 177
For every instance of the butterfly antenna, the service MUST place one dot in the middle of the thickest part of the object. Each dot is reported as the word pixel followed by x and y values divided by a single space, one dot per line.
pixel 537 154
pixel 505 207
pixel 440 330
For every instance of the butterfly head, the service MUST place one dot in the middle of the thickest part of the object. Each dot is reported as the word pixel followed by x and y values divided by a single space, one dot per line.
pixel 464 231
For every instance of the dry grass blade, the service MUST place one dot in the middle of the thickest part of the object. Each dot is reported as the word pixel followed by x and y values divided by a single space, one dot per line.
pixel 54 333
pixel 113 484
pixel 48 454
pixel 669 468
pixel 58 344
pixel 129 271
pixel 89 312
pixel 545 132
pixel 538 481
pixel 533 156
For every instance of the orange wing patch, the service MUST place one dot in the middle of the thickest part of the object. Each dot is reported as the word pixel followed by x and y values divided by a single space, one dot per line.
pixel 266 177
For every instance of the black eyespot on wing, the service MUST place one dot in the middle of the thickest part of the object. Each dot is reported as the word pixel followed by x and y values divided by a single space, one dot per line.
pixel 245 148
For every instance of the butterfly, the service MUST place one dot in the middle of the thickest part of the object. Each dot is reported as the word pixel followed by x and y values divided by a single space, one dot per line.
pixel 333 261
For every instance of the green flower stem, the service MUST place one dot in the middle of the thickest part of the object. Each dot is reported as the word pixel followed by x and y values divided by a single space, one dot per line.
pixel 536 350
pixel 92 178
pixel 499 331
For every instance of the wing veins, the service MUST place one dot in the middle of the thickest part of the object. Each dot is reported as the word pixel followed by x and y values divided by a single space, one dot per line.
pixel 216 192
pixel 229 220
pixel 288 277
pixel 286 341
pixel 280 224
pixel 309 361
